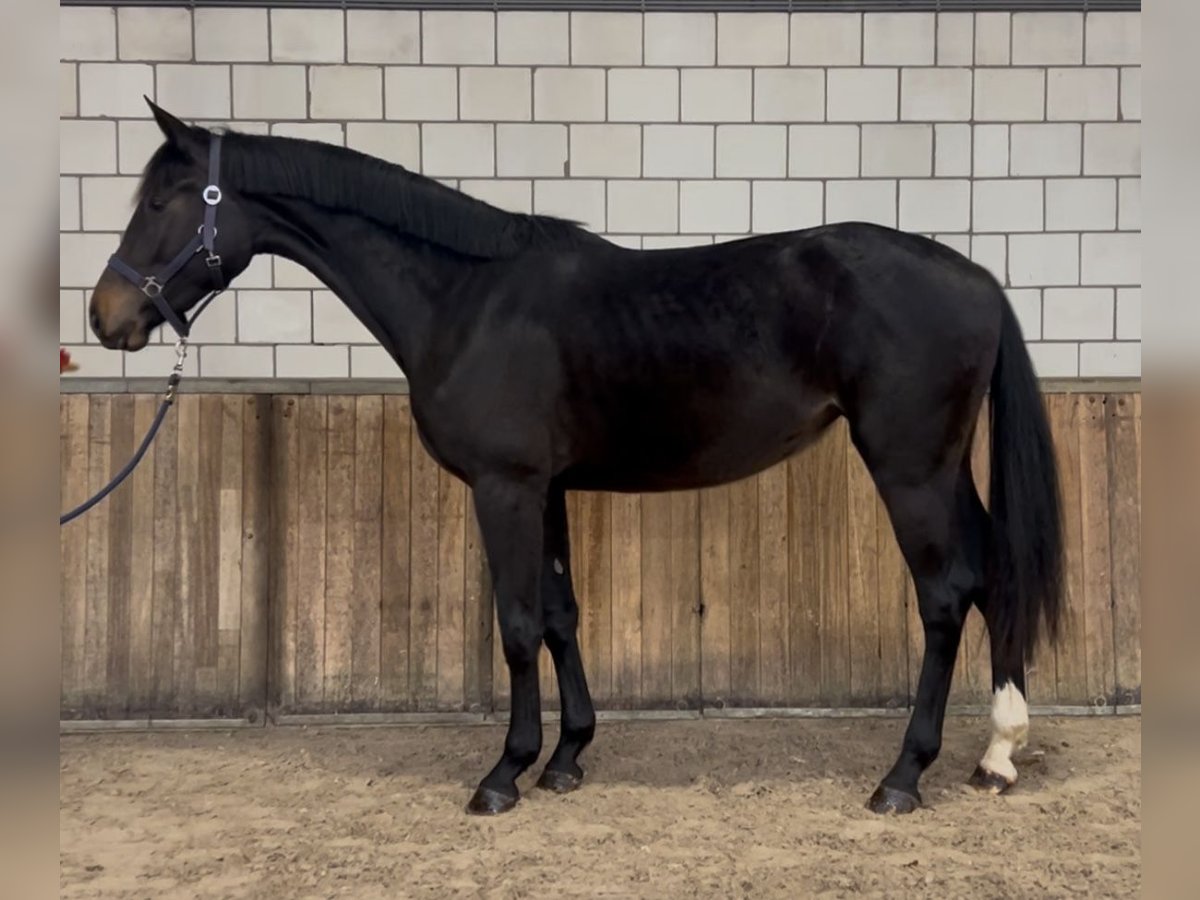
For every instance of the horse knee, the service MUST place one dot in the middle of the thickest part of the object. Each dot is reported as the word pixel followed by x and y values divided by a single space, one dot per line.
pixel 521 641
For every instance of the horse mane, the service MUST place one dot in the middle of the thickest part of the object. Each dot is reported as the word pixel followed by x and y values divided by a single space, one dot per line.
pixel 390 195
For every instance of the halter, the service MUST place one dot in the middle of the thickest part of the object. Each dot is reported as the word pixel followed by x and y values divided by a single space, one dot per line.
pixel 152 286
pixel 206 235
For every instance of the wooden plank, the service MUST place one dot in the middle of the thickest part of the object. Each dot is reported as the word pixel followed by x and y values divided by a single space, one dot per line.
pixel 1124 460
pixel 862 557
pixel 141 582
pixel 284 584
pixel 684 599
pixel 978 673
pixel 167 563
pixel 829 458
pixel 1096 553
pixel 394 553
pixel 364 606
pixel 895 599
pixel 339 552
pixel 972 670
pixel 477 615
pixel 657 600
pixel 229 551
pixel 74 482
pixel 423 623
pixel 187 485
pixel 451 639
pixel 255 610
pixel 591 569
pixel 627 600
pixel 95 667
pixel 715 597
pixel 547 683
pixel 118 509
pixel 1071 686
pixel 206 598
pixel 804 624
pixel 744 623
pixel 773 601
pixel 310 606
pixel 1041 676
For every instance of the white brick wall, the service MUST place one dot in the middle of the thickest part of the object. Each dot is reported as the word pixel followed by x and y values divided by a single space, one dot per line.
pixel 383 36
pixel 1012 137
pixel 678 151
pixel 533 38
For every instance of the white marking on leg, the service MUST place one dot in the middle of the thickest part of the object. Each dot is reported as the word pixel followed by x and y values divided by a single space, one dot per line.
pixel 1010 731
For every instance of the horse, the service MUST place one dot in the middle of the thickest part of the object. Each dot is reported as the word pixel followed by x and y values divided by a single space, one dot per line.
pixel 542 358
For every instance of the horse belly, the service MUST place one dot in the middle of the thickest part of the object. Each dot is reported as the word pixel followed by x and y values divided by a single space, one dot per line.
pixel 677 453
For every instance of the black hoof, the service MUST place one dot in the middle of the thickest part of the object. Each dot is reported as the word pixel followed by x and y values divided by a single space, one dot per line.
pixel 989 782
pixel 559 782
pixel 890 800
pixel 487 802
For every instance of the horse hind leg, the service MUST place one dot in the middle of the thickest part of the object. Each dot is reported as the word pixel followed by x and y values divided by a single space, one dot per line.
pixel 1009 715
pixel 937 536
pixel 996 772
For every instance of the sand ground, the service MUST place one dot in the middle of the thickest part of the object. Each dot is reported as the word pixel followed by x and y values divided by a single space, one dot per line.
pixel 712 808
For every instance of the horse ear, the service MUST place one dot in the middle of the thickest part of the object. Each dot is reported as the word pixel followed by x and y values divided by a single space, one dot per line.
pixel 175 131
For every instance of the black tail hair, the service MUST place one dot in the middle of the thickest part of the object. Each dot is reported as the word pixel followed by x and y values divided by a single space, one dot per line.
pixel 1026 582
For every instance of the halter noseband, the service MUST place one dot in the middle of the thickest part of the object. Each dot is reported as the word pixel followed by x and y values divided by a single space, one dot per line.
pixel 153 285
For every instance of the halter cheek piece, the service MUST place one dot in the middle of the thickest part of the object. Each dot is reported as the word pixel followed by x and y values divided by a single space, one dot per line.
pixel 153 285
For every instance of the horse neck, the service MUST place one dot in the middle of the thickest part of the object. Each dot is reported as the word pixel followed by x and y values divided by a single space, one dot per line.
pixel 390 282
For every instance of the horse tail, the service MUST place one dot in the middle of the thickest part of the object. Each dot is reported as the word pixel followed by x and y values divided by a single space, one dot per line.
pixel 1026 578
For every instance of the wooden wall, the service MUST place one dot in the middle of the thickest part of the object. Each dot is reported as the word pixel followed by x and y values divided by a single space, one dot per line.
pixel 303 554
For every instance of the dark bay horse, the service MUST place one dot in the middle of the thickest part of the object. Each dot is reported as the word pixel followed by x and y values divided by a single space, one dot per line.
pixel 542 359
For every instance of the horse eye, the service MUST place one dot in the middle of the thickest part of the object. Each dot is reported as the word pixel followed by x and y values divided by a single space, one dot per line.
pixel 157 204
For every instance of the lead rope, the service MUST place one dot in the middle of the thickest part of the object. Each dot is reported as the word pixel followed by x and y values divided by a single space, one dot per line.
pixel 168 400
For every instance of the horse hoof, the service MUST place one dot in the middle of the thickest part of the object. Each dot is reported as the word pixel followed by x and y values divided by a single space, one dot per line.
pixel 487 802
pixel 559 782
pixel 889 800
pixel 989 782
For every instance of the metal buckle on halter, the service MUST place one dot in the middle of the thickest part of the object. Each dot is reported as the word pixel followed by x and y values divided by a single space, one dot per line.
pixel 213 261
pixel 176 376
pixel 211 195
pixel 151 287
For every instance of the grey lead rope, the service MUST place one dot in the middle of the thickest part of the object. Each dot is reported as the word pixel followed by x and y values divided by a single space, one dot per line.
pixel 168 400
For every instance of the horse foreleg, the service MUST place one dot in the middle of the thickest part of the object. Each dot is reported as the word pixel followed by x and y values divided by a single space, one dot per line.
pixel 510 521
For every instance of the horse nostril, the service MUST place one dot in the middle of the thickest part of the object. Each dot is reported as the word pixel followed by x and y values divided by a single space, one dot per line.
pixel 94 319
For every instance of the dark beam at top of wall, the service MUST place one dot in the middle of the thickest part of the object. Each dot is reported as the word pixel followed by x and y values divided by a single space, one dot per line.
pixel 665 5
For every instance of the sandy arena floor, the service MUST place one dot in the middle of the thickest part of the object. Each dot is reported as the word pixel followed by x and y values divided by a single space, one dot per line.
pixel 768 808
